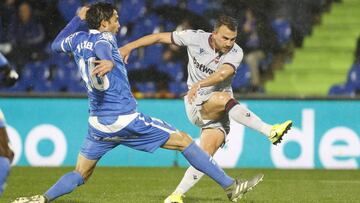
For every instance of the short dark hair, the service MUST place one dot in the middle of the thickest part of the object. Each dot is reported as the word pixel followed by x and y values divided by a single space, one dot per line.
pixel 98 12
pixel 228 21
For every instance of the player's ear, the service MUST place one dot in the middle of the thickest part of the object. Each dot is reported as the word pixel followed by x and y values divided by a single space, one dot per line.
pixel 104 24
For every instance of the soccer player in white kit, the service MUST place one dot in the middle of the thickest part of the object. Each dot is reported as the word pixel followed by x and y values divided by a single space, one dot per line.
pixel 213 61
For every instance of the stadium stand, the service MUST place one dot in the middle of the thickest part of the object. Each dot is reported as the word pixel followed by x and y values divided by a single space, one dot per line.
pixel 325 57
pixel 275 29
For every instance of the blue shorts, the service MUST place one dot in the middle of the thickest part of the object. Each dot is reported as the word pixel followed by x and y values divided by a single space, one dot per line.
pixel 136 131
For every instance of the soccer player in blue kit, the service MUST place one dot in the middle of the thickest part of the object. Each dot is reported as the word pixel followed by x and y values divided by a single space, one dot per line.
pixel 8 79
pixel 114 119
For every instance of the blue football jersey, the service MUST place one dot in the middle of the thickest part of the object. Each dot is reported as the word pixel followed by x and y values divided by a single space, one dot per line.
pixel 109 95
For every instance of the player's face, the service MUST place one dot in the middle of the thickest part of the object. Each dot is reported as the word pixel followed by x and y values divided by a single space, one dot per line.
pixel 113 23
pixel 224 39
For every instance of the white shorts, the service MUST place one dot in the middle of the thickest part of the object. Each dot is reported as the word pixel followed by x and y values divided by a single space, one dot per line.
pixel 194 115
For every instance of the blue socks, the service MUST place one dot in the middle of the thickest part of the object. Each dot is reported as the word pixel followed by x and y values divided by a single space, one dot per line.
pixel 204 163
pixel 4 172
pixel 66 184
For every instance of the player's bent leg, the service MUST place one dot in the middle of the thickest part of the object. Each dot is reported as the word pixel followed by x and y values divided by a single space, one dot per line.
pixel 210 141
pixel 198 158
pixel 70 181
pixel 85 167
pixel 214 107
pixel 66 184
pixel 178 141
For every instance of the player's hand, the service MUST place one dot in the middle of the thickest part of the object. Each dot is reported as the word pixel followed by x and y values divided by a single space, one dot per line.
pixel 125 53
pixel 82 12
pixel 102 67
pixel 191 95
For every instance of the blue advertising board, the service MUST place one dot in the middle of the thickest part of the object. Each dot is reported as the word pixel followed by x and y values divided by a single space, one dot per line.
pixel 326 134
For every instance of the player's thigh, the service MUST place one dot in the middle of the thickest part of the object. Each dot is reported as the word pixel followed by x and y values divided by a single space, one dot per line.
pixel 211 139
pixel 85 166
pixel 214 107
pixel 178 141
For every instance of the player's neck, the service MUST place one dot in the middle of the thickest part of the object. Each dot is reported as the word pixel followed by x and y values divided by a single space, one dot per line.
pixel 212 44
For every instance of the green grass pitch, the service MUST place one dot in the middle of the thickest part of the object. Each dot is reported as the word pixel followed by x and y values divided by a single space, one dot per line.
pixel 114 185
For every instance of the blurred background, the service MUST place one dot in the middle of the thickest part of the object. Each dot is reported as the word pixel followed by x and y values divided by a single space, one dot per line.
pixel 292 47
pixel 302 62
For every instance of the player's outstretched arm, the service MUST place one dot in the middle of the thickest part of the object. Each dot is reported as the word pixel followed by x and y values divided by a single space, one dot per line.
pixel 223 73
pixel 69 29
pixel 164 38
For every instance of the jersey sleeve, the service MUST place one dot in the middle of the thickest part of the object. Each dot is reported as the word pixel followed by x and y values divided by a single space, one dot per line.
pixel 185 37
pixel 68 44
pixel 234 58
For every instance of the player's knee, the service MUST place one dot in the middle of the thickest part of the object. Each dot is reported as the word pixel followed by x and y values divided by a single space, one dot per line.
pixel 220 99
pixel 85 173
pixel 184 141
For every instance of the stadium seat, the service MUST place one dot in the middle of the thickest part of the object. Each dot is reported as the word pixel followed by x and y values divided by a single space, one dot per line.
pixel 68 8
pixel 145 26
pixel 342 90
pixel 131 10
pixel 178 88
pixel 197 6
pixel 153 55
pixel 242 77
pixel 158 3
pixel 173 69
pixel 282 29
pixel 354 76
pixel 146 87
pixel 105 1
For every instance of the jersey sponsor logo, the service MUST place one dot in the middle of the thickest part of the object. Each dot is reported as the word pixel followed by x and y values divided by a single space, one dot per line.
pixel 217 59
pixel 202 67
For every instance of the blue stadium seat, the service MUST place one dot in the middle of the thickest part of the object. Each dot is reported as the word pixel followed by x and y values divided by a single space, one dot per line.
pixel 145 26
pixel 158 3
pixel 173 69
pixel 29 74
pixel 242 77
pixel 105 1
pixel 342 90
pixel 153 55
pixel 169 26
pixel 282 29
pixel 353 77
pixel 131 10
pixel 146 87
pixel 197 6
pixel 68 8
pixel 178 88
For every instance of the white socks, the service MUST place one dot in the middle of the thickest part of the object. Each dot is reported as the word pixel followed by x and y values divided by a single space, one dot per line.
pixel 191 177
pixel 242 115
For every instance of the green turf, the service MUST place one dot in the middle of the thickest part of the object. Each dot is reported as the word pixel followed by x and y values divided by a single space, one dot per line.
pixel 110 185
pixel 326 55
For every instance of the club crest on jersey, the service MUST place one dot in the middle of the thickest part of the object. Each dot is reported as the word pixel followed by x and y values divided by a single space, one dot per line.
pixel 201 51
pixel 217 59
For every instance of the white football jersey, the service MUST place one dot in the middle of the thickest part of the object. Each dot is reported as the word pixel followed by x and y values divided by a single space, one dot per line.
pixel 203 60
